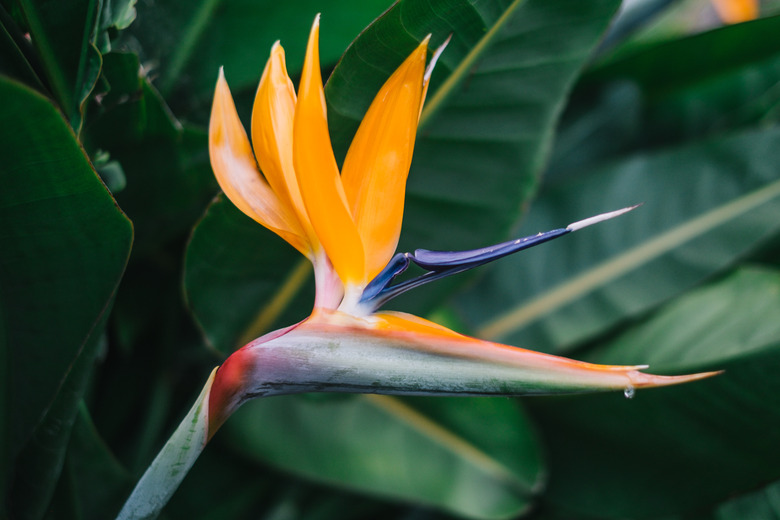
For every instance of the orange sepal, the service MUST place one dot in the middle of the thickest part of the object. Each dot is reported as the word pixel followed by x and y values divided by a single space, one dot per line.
pixel 272 134
pixel 237 174
pixel 378 161
pixel 318 175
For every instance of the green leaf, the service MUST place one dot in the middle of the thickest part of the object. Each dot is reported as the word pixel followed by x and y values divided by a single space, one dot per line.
pixel 63 34
pixel 705 205
pixel 166 169
pixel 17 59
pixel 241 491
pixel 93 481
pixel 65 244
pixel 244 490
pixel 117 14
pixel 634 102
pixel 631 19
pixel 597 126
pixel 152 336
pixel 764 503
pixel 682 448
pixel 472 456
pixel 686 63
pixel 680 19
pixel 702 85
pixel 172 463
pixel 191 40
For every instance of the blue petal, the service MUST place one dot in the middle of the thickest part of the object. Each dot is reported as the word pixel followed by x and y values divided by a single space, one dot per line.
pixel 440 264
pixel 396 266
pixel 442 260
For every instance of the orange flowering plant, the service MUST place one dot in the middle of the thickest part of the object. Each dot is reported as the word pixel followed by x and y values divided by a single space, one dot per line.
pixel 347 224
pixel 154 228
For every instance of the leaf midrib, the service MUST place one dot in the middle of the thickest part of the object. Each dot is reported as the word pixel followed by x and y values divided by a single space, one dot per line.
pixel 448 440
pixel 436 102
pixel 189 41
pixel 567 292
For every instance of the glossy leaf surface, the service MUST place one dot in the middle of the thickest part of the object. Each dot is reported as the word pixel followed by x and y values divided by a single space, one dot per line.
pixel 428 451
pixel 93 482
pixel 57 287
pixel 167 186
pixel 705 84
pixel 17 58
pixel 705 205
pixel 191 40
pixel 247 491
pixel 764 503
pixel 236 273
pixel 63 33
pixel 652 455
pixel 633 100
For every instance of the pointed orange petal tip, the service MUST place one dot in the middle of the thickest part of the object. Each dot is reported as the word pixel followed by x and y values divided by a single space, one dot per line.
pixel 273 116
pixel 377 163
pixel 422 47
pixel 643 380
pixel 318 175
pixel 628 378
pixel 235 169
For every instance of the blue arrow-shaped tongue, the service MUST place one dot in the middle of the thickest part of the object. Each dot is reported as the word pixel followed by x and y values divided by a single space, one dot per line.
pixel 446 260
pixel 440 264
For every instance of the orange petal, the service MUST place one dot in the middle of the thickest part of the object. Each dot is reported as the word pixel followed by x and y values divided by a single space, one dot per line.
pixel 272 134
pixel 377 164
pixel 318 174
pixel 237 173
pixel 736 11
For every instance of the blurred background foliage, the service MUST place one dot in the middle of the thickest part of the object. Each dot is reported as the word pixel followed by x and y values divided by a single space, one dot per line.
pixel 125 277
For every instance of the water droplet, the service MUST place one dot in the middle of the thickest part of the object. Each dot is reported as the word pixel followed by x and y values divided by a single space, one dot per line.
pixel 629 392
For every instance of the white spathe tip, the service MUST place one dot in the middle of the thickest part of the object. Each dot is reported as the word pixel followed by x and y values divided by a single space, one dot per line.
pixel 435 57
pixel 599 218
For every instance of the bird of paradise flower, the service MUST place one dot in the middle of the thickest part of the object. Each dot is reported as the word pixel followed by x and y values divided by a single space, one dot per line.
pixel 347 224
